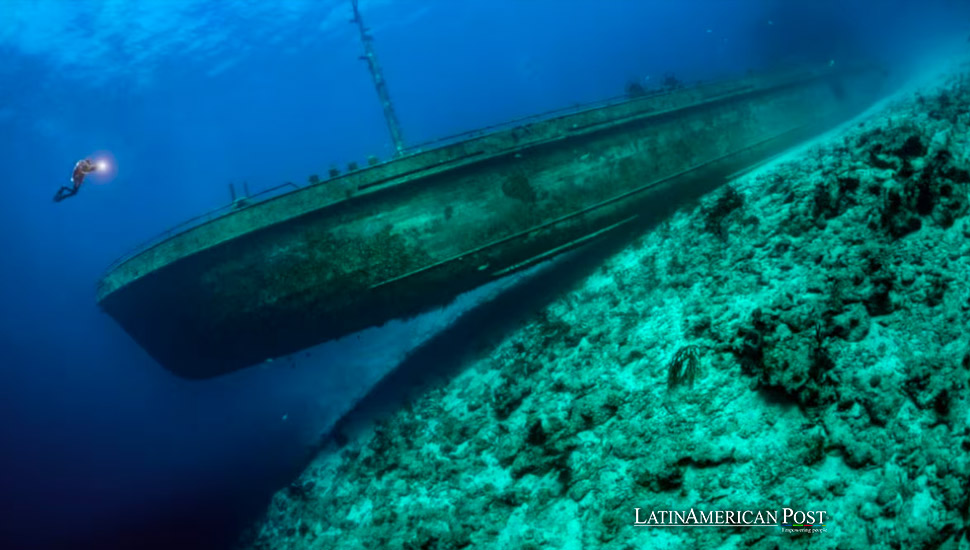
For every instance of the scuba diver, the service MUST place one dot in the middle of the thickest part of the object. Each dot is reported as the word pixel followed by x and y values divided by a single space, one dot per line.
pixel 81 169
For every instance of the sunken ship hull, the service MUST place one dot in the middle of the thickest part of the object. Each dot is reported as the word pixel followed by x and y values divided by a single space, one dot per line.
pixel 392 240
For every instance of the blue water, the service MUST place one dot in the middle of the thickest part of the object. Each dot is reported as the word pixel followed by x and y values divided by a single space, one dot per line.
pixel 101 446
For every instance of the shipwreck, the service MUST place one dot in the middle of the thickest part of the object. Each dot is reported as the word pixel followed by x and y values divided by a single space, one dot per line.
pixel 270 276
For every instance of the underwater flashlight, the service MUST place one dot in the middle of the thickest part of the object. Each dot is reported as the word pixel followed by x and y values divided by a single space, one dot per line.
pixel 105 167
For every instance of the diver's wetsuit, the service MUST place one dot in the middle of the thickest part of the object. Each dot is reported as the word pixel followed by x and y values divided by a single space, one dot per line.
pixel 81 169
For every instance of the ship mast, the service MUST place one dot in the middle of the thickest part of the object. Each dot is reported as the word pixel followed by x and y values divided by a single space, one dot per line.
pixel 378 75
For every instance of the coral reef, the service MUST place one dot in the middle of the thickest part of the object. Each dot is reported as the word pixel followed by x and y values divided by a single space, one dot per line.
pixel 836 364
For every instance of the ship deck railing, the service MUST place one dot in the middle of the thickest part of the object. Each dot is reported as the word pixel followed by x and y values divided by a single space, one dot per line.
pixel 438 143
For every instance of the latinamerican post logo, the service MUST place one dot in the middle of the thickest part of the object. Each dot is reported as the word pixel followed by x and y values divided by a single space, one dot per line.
pixel 788 519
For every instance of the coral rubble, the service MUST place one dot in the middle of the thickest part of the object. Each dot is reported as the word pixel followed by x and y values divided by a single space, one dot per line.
pixel 826 305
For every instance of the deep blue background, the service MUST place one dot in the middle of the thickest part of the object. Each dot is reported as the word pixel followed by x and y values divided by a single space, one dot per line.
pixel 96 438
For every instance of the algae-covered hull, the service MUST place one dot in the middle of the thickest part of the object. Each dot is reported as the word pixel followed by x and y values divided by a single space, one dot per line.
pixel 394 239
